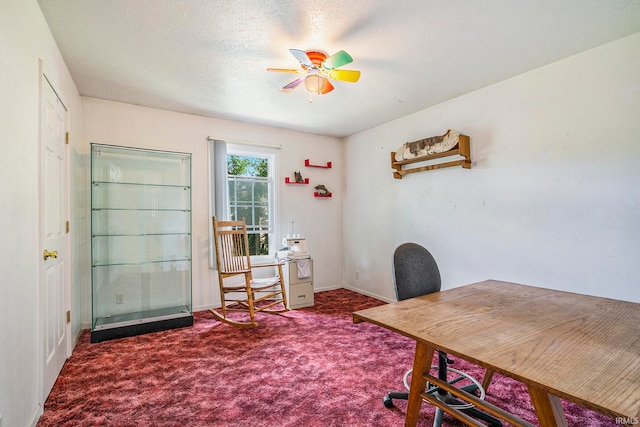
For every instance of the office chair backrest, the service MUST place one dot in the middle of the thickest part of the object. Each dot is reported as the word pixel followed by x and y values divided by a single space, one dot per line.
pixel 415 271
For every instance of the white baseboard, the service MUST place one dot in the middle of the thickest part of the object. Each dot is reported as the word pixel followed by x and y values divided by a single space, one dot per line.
pixel 34 419
pixel 326 288
pixel 369 294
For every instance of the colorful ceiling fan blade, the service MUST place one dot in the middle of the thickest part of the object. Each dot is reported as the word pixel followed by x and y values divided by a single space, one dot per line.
pixel 345 75
pixel 293 84
pixel 328 87
pixel 301 56
pixel 337 60
pixel 283 70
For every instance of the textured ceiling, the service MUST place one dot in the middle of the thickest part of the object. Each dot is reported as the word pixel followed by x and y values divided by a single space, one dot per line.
pixel 209 57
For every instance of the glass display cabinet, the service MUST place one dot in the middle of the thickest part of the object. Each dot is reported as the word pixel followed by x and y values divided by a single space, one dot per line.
pixel 140 241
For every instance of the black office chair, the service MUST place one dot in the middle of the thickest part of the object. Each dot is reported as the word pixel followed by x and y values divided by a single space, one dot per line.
pixel 416 273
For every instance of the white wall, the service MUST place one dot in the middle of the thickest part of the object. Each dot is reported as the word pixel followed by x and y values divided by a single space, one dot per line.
pixel 553 198
pixel 24 41
pixel 319 220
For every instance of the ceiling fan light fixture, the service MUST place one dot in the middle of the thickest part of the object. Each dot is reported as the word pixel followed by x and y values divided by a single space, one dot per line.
pixel 314 83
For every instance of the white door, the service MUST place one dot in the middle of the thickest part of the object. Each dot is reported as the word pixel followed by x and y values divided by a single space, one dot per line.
pixel 53 234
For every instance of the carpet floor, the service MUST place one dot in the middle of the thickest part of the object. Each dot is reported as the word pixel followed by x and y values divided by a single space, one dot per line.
pixel 305 368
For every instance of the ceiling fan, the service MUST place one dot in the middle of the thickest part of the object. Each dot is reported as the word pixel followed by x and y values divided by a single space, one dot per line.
pixel 319 69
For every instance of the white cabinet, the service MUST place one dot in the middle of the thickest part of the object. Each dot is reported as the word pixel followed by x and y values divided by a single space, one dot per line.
pixel 299 290
pixel 140 241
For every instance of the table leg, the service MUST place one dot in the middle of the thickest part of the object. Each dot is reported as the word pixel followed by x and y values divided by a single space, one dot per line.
pixel 421 366
pixel 548 408
pixel 488 375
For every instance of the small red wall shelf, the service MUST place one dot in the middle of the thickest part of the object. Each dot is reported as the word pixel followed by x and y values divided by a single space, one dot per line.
pixel 316 194
pixel 309 165
pixel 287 180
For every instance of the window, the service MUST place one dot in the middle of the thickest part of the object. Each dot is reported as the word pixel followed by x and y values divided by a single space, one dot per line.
pixel 242 185
pixel 250 197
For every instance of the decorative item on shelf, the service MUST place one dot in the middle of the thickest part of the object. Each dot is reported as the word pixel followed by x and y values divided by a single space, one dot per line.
pixel 309 165
pixel 322 191
pixel 298 177
pixel 452 143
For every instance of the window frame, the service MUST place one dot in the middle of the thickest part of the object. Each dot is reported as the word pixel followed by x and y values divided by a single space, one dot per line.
pixel 271 154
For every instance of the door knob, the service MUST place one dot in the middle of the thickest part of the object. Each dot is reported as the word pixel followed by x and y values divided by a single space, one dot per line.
pixel 46 254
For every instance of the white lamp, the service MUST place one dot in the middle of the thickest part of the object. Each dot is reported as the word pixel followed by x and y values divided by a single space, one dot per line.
pixel 314 83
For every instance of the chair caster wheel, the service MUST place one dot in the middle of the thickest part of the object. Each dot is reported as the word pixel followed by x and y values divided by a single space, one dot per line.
pixel 388 403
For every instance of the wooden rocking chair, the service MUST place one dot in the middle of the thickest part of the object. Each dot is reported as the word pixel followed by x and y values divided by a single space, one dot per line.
pixel 249 294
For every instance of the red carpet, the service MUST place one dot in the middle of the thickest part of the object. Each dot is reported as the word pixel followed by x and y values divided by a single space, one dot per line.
pixel 309 367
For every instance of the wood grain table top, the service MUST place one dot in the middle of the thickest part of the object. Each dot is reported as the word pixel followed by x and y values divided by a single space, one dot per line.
pixel 581 348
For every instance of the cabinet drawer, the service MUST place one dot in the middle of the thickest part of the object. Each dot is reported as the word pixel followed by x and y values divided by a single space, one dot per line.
pixel 301 295
pixel 293 273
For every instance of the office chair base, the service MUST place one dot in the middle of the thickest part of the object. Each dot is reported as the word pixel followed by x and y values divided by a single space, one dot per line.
pixel 388 399
pixel 437 420
pixel 472 386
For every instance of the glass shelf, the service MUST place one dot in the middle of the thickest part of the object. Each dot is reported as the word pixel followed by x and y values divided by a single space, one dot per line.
pixel 139 196
pixel 115 222
pixel 141 234
pixel 136 184
pixel 127 165
pixel 115 263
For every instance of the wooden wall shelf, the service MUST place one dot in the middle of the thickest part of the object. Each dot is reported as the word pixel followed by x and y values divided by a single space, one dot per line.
pixel 461 149
pixel 309 165
pixel 287 180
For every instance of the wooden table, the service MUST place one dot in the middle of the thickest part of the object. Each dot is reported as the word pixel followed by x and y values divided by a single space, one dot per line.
pixel 562 345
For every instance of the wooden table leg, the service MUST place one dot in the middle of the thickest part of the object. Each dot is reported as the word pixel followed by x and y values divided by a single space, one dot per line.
pixel 421 366
pixel 548 408
pixel 488 375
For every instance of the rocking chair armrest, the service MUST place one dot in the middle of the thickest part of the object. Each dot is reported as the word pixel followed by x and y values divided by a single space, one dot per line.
pixel 274 264
pixel 235 272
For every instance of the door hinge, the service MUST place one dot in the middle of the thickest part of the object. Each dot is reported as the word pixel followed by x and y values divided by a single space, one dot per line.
pixel 67 138
pixel 69 316
pixel 67 226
